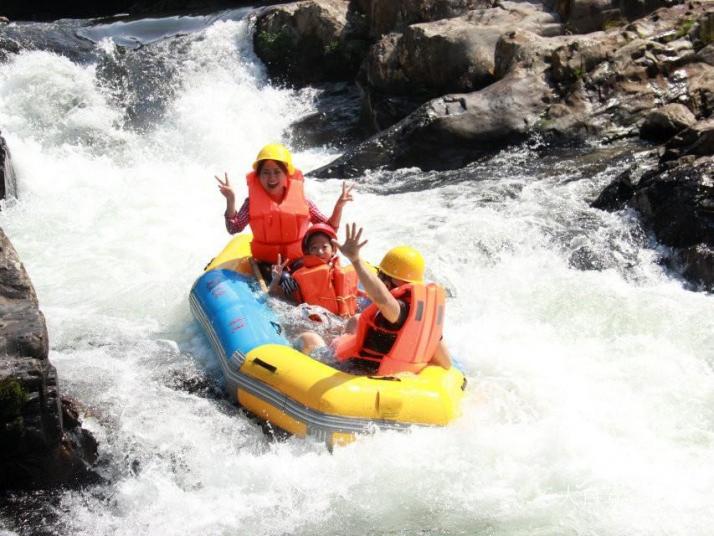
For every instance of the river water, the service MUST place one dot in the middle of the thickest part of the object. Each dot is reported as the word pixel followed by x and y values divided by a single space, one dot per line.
pixel 590 408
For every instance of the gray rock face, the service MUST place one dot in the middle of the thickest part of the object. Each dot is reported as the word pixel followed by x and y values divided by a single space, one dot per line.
pixel 8 183
pixel 310 41
pixel 663 123
pixel 36 448
pixel 385 16
pixel 676 200
pixel 454 55
pixel 450 131
pixel 586 16
pixel 602 85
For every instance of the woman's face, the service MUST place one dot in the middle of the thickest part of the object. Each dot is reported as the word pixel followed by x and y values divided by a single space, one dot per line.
pixel 273 178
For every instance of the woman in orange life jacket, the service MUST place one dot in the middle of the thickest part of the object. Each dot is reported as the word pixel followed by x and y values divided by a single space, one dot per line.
pixel 276 207
pixel 317 278
pixel 392 335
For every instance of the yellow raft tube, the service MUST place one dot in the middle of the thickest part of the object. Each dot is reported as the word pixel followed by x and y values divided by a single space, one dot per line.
pixel 293 391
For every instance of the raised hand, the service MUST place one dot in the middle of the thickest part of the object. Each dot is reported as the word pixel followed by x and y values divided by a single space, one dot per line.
pixel 277 269
pixel 346 194
pixel 225 188
pixel 351 246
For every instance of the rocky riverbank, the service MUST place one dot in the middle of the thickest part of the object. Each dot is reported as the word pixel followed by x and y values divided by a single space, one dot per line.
pixel 445 82
pixel 42 442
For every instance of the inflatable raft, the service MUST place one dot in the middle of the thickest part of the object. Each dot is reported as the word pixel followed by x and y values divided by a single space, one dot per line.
pixel 293 391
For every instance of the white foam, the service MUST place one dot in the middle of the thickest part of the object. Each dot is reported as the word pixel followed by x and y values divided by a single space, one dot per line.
pixel 590 392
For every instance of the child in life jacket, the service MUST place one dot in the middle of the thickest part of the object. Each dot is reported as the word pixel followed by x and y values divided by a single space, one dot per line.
pixel 401 330
pixel 317 278
pixel 276 207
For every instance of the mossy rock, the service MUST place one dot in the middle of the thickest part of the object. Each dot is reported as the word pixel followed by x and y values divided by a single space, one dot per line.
pixel 274 47
pixel 12 399
pixel 706 29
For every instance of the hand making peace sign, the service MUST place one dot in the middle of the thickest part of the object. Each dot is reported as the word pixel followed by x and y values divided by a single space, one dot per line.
pixel 226 188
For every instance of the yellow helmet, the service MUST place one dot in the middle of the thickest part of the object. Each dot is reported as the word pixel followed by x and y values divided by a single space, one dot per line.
pixel 278 152
pixel 404 263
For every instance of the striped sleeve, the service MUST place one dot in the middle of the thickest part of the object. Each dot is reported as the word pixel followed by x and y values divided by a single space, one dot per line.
pixel 288 284
pixel 239 220
pixel 315 215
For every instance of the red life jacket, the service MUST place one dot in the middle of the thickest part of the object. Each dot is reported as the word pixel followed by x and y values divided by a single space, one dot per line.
pixel 277 228
pixel 328 285
pixel 416 341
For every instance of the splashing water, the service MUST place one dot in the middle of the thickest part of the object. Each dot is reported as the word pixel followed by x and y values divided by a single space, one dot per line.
pixel 589 409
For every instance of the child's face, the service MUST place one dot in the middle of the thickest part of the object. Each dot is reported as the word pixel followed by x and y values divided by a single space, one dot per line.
pixel 320 246
pixel 273 178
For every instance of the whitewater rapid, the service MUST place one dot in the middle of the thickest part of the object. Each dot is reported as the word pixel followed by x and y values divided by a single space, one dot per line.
pixel 590 407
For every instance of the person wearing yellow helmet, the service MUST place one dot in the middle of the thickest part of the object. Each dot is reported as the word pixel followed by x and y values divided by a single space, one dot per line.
pixel 401 330
pixel 276 208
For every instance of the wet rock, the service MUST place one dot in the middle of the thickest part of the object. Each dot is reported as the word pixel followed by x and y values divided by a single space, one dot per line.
pixel 37 449
pixel 454 55
pixel 309 41
pixel 586 16
pixel 617 194
pixel 697 140
pixel 57 37
pixel 385 16
pixel 8 183
pixel 706 55
pixel 696 264
pixel 663 123
pixel 448 132
pixel 8 47
pixel 675 199
pixel 335 122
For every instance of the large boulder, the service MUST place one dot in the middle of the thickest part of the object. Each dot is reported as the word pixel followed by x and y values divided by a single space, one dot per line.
pixel 697 140
pixel 385 16
pixel 42 443
pixel 454 55
pixel 585 16
pixel 663 123
pixel 310 41
pixel 8 184
pixel 448 132
pixel 601 85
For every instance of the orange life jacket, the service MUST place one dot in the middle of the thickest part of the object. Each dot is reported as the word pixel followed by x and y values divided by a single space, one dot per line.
pixel 328 285
pixel 277 228
pixel 416 341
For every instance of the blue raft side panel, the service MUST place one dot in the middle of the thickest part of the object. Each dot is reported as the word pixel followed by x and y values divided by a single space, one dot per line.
pixel 235 314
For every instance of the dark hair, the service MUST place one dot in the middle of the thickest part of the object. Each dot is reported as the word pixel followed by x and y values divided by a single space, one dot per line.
pixel 281 165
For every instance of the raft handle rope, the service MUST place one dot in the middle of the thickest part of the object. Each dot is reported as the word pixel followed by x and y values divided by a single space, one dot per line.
pixel 266 366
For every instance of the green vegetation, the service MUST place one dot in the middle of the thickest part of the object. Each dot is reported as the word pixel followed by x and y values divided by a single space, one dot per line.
pixel 273 45
pixel 614 23
pixel 333 47
pixel 12 399
pixel 706 29
pixel 684 27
